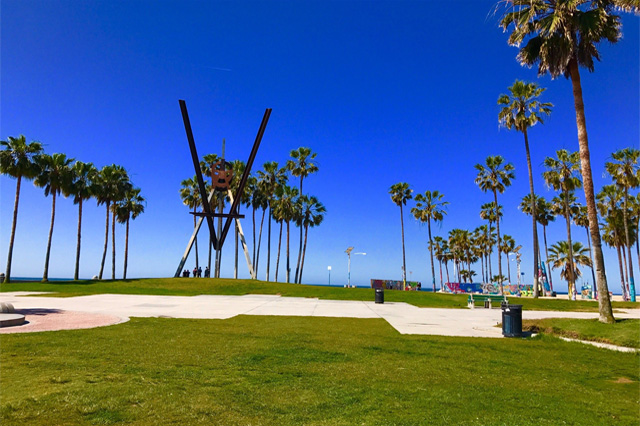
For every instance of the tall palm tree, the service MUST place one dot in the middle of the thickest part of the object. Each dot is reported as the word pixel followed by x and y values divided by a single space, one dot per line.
pixel 130 207
pixel 312 214
pixel 560 37
pixel 190 196
pixel 544 214
pixel 120 188
pixel 55 177
pixel 495 177
pixel 269 179
pixel 624 171
pixel 82 188
pixel 610 207
pixel 302 164
pixel 238 167
pixel 562 176
pixel 400 194
pixel 488 212
pixel 258 201
pixel 429 206
pixel 562 256
pixel 522 110
pixel 508 247
pixel 286 210
pixel 112 181
pixel 437 247
pixel 18 159
pixel 581 218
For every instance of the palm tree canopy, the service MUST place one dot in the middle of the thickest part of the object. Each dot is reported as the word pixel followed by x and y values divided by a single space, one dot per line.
pixel 302 162
pixel 83 185
pixel 270 178
pixel 559 258
pixel 190 192
pixel 489 212
pixel 55 173
pixel 556 32
pixel 400 193
pixel 493 176
pixel 609 200
pixel 624 169
pixel 557 204
pixel 131 206
pixel 581 216
pixel 284 208
pixel 429 206
pixel 311 211
pixel 522 109
pixel 544 212
pixel 563 172
pixel 18 158
pixel 113 182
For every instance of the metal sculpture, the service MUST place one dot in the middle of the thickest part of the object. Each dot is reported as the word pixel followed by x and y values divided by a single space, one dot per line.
pixel 221 178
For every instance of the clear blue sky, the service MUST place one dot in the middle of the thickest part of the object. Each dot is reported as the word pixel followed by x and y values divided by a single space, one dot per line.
pixel 383 91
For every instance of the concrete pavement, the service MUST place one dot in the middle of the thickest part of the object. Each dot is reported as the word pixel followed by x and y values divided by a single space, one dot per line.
pixel 405 318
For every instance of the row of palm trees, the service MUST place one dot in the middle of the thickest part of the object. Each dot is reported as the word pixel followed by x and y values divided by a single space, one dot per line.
pixel 619 210
pixel 268 191
pixel 560 37
pixel 57 174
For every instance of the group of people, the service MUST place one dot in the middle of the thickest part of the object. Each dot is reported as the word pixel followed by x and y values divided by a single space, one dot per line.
pixel 197 272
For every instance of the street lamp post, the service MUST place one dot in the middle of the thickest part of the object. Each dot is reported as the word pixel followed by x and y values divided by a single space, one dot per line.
pixel 329 269
pixel 348 251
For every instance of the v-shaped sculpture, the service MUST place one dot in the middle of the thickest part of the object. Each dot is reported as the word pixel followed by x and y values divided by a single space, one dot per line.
pixel 208 214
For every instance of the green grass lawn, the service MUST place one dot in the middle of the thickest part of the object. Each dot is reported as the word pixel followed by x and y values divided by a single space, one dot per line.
pixel 194 286
pixel 312 371
pixel 624 332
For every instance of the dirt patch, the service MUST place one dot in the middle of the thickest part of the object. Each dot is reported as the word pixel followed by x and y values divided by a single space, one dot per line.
pixel 55 319
pixel 623 380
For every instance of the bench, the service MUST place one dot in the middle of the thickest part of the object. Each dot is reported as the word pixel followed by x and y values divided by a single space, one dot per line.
pixel 486 299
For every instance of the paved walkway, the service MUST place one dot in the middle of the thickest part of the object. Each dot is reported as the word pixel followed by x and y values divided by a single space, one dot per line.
pixel 405 318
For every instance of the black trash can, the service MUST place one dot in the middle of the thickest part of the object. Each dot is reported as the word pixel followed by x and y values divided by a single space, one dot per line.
pixel 511 320
pixel 379 295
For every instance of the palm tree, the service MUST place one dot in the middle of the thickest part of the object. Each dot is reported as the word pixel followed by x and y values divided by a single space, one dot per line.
pixel 560 37
pixel 18 159
pixel 522 110
pixel 258 201
pixel 624 171
pixel 130 207
pixel 581 218
pixel 206 165
pixel 82 188
pixel 561 175
pixel 429 206
pixel 565 257
pixel 238 167
pixel 437 247
pixel 55 177
pixel 301 165
pixel 544 214
pixel 112 182
pixel 269 180
pixel 495 177
pixel 508 247
pixel 488 212
pixel 286 210
pixel 400 194
pixel 190 196
pixel 311 214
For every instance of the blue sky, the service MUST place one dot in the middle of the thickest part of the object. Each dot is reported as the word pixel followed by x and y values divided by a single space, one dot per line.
pixel 383 91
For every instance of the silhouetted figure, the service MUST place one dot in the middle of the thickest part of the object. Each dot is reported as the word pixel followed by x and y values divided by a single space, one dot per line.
pixel 207 272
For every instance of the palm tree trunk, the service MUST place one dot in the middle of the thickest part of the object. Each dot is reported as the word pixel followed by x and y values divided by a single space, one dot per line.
pixel 404 263
pixel 440 265
pixel 604 303
pixel 626 273
pixel 625 214
pixel 495 197
pixel 106 242
pixel 235 267
pixel 269 242
pixel 546 252
pixel 7 275
pixel 113 244
pixel 296 279
pixel 572 269
pixel 638 243
pixel 489 254
pixel 77 269
pixel 509 270
pixel 278 258
pixel 288 268
pixel 126 251
pixel 45 276
pixel 446 267
pixel 304 252
pixel 259 241
pixel 253 259
pixel 433 271
pixel 621 270
pixel 536 291
pixel 593 274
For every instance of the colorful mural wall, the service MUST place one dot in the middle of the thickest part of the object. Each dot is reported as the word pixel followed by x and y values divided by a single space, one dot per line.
pixel 484 288
pixel 395 285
